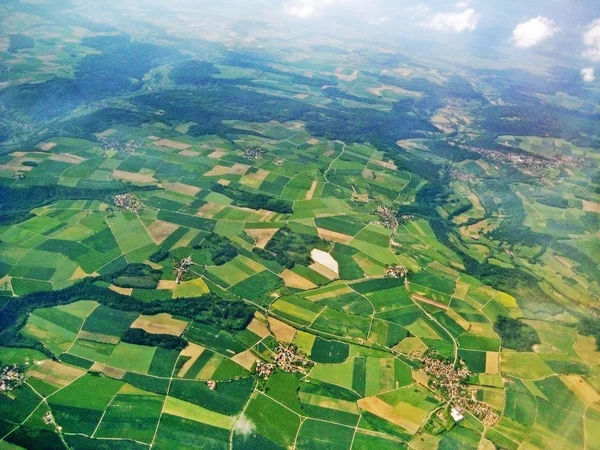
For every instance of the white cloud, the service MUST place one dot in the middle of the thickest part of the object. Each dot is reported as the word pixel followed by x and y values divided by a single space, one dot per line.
pixel 591 38
pixel 417 11
pixel 304 9
pixel 454 22
pixel 461 5
pixel 588 74
pixel 533 32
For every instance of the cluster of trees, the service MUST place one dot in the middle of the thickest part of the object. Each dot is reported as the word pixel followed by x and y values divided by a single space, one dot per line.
pixel 15 203
pixel 590 326
pixel 137 276
pixel 289 248
pixel 220 248
pixel 193 72
pixel 230 315
pixel 515 334
pixel 255 200
pixel 142 337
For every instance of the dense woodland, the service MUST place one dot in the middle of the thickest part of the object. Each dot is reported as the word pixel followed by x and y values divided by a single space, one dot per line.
pixel 515 334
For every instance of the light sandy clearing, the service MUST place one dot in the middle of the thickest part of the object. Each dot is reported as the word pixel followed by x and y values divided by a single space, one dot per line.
pixel 188 153
pixel 258 328
pixel 301 96
pixel 325 271
pixel 381 409
pixel 160 324
pixel 209 210
pixel 109 371
pixel 172 144
pixel 245 359
pixel 282 331
pixel 334 236
pixel 167 285
pixel 591 206
pixel 343 289
pixel 395 89
pixel 255 179
pixel 218 153
pixel 581 389
pixel 294 280
pixel 182 188
pixel 133 177
pixel 160 230
pixel 106 133
pixel 97 337
pixel 311 191
pixel 429 301
pixel 492 362
pixel 45 146
pixel 386 165
pixel 313 141
pixel 54 372
pixel 237 169
pixel 78 274
pixel 121 290
pixel 67 158
pixel 193 351
pixel 262 236
pixel 340 76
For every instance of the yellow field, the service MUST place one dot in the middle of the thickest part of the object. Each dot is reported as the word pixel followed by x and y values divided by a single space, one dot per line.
pixel 133 177
pixel 581 389
pixel 334 236
pixel 294 280
pixel 282 331
pixel 55 373
pixel 186 410
pixel 258 328
pixel 172 144
pixel 160 230
pixel 111 372
pixel 193 288
pixel 236 169
pixel 160 324
pixel 193 351
pixel 492 362
pixel 262 236
pixel 245 359
pixel 381 409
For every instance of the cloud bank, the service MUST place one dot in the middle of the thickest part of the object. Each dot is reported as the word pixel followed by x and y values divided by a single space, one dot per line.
pixel 588 74
pixel 454 22
pixel 533 32
pixel 591 39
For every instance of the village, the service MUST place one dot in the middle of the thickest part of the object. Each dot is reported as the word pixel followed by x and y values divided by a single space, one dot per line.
pixel 449 381
pixel 387 217
pixel 11 377
pixel 128 202
pixel 288 359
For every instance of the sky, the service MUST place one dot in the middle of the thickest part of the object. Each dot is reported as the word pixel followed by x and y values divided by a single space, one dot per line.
pixel 566 30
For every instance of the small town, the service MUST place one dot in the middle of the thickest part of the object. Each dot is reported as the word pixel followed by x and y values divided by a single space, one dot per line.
pixel 11 377
pixel 387 217
pixel 128 202
pixel 288 359
pixel 450 382
pixel 254 153
pixel 396 271
pixel 181 268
